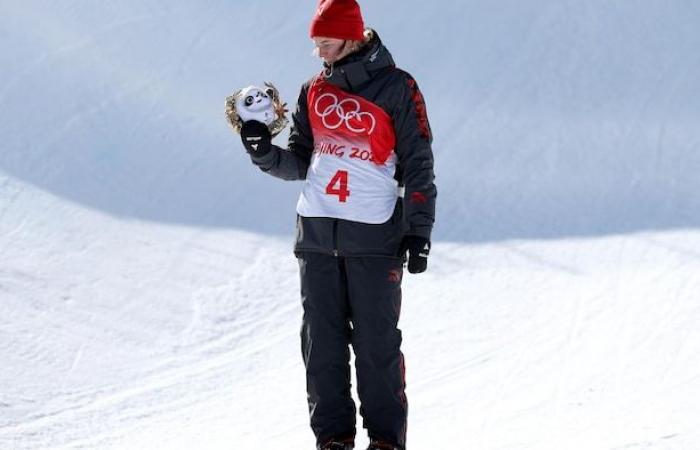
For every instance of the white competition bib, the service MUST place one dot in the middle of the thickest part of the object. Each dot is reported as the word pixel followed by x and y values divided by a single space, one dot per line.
pixel 351 175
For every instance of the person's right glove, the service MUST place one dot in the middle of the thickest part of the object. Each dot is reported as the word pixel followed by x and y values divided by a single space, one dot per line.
pixel 256 137
pixel 418 250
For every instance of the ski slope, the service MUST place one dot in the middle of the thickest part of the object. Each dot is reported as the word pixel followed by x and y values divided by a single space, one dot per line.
pixel 148 293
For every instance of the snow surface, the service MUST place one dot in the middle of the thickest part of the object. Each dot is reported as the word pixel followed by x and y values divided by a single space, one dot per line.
pixel 148 293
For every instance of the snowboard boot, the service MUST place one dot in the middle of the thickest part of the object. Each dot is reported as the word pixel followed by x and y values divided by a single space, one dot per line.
pixel 381 445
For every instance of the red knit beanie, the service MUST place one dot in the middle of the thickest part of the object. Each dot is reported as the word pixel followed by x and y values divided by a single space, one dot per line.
pixel 340 19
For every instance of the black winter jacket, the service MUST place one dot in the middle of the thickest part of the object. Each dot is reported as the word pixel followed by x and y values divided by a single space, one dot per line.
pixel 371 74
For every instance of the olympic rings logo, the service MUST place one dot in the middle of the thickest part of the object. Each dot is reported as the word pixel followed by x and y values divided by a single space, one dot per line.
pixel 342 112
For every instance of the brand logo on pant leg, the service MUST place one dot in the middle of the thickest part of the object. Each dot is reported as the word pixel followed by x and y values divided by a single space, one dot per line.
pixel 394 275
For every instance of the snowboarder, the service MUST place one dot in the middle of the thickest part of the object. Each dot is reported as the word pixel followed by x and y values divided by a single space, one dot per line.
pixel 361 140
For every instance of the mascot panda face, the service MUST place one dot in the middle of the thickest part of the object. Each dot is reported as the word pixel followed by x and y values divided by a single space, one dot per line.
pixel 261 104
pixel 254 103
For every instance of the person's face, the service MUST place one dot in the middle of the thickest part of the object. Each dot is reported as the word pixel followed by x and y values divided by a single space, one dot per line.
pixel 329 48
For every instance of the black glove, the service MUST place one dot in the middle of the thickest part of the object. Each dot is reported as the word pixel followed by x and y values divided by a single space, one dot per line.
pixel 256 137
pixel 418 250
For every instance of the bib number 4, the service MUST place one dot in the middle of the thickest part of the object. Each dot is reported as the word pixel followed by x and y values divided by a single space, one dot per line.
pixel 339 186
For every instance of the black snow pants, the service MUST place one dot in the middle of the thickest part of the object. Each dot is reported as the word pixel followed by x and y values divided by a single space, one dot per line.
pixel 353 301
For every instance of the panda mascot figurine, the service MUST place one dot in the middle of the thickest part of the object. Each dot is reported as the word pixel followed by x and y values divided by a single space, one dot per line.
pixel 254 103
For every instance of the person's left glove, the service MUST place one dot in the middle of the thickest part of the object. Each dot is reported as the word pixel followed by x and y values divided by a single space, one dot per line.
pixel 418 250
pixel 256 138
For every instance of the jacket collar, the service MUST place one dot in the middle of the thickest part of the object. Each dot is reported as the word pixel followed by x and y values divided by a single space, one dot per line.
pixel 356 69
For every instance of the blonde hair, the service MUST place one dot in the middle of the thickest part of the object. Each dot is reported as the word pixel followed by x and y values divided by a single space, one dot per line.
pixel 349 46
